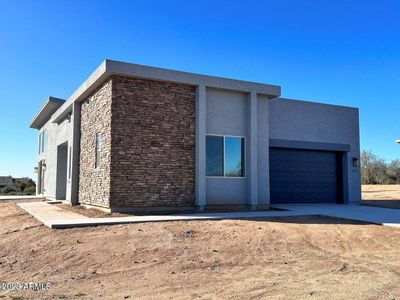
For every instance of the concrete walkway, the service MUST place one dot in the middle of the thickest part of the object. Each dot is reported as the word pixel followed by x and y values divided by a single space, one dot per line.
pixel 377 215
pixel 49 214
pixel 28 197
pixel 56 217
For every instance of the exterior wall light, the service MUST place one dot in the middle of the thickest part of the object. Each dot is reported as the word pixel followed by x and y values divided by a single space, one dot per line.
pixel 35 169
pixel 398 141
pixel 356 162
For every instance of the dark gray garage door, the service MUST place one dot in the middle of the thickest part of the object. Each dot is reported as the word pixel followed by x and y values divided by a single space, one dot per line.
pixel 305 176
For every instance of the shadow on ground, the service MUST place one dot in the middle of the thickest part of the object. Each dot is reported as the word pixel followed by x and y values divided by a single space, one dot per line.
pixel 307 219
pixel 394 204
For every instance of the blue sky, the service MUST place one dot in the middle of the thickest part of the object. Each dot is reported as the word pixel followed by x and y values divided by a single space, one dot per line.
pixel 340 52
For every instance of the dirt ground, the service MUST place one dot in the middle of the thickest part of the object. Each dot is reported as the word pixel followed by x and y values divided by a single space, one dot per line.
pixel 91 213
pixel 387 196
pixel 97 213
pixel 276 258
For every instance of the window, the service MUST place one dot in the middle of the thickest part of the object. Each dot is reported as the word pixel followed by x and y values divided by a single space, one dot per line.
pixel 97 150
pixel 234 157
pixel 215 155
pixel 42 141
pixel 225 156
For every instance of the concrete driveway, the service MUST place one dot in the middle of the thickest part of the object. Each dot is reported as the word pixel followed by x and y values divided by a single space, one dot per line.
pixel 377 215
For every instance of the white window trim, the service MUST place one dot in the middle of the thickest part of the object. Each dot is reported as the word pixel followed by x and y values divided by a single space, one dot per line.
pixel 223 167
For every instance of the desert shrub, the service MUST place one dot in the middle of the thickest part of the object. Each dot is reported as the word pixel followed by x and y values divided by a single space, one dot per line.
pixel 20 186
pixel 9 189
pixel 30 190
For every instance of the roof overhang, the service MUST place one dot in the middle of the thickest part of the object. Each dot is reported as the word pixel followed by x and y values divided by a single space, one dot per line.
pixel 110 67
pixel 50 106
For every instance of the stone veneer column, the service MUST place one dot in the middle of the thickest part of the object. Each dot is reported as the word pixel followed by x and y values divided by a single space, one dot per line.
pixel 153 145
pixel 95 115
pixel 200 147
pixel 253 151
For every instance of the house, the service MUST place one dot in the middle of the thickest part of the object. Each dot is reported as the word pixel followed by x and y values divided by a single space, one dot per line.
pixel 135 137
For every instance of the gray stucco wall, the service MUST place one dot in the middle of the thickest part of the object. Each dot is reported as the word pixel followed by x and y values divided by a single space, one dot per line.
pixel 263 149
pixel 227 113
pixel 62 163
pixel 56 134
pixel 315 122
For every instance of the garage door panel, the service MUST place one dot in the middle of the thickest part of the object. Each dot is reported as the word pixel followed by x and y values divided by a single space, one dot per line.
pixel 303 176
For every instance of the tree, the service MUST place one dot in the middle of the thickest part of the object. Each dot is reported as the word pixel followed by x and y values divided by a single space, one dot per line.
pixel 393 172
pixel 374 170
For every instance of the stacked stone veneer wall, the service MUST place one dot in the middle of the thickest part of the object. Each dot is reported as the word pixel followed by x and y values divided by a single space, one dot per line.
pixel 153 144
pixel 94 183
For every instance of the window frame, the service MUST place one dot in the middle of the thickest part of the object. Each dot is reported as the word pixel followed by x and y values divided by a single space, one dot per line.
pixel 97 147
pixel 69 162
pixel 224 136
pixel 223 156
pixel 42 141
